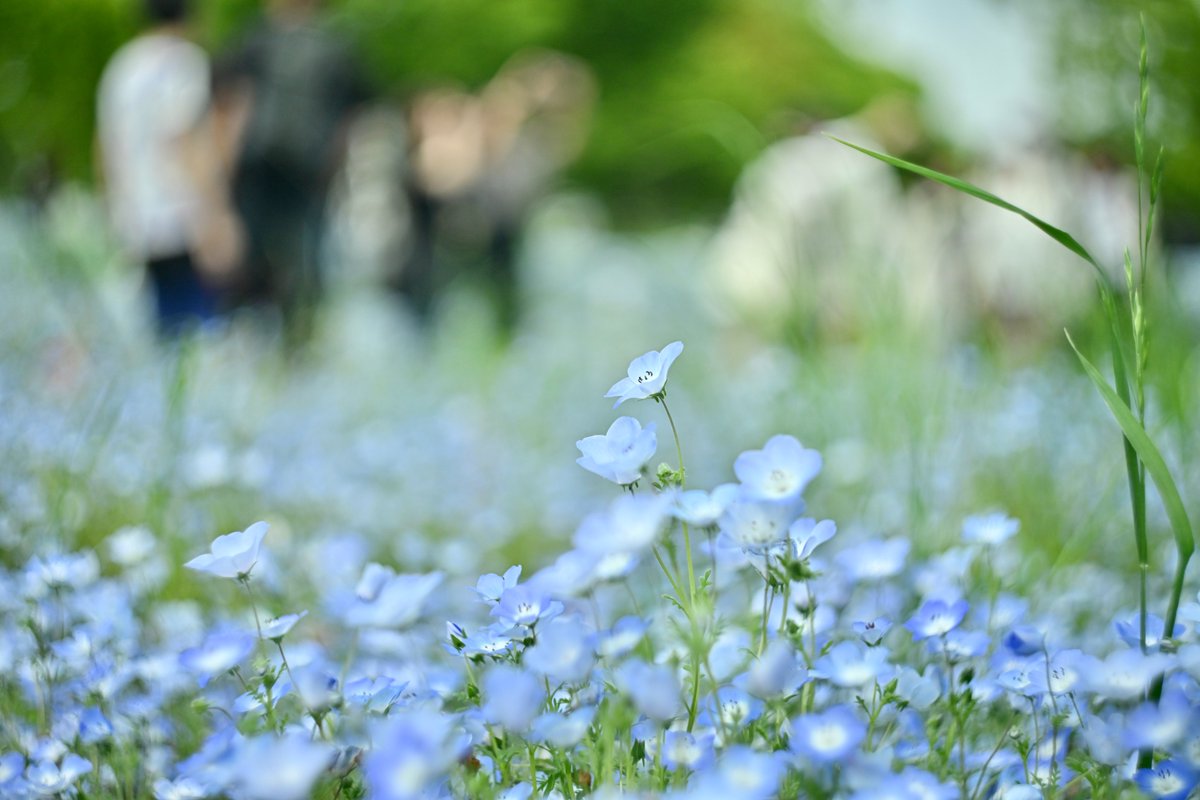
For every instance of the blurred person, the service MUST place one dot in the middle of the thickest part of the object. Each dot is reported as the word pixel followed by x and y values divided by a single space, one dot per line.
pixel 479 163
pixel 298 87
pixel 166 189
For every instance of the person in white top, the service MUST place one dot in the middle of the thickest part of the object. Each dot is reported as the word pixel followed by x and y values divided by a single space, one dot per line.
pixel 163 177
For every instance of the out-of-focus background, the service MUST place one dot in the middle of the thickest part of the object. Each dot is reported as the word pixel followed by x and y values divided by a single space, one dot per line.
pixel 367 267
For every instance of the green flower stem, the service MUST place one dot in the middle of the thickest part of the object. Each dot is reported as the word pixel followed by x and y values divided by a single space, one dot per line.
pixel 687 538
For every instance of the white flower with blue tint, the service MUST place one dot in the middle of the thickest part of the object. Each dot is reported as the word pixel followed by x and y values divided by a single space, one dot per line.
pixel 621 454
pixel 776 672
pixel 625 635
pixel 702 509
pixel 1129 630
pixel 279 627
pixel 385 599
pixel 647 375
pixel 779 472
pixel 755 526
pixel 49 778
pixel 654 689
pixel 269 767
pixel 1167 780
pixel 990 529
pixel 744 773
pixel 526 604
pixel 1126 674
pixel 807 534
pixel 513 697
pixel 850 665
pixel 874 559
pixel 563 652
pixel 1160 726
pixel 563 730
pixel 412 750
pixel 936 618
pixel 232 555
pixel 683 750
pixel 630 524
pixel 872 631
pixel 828 736
pixel 219 653
pixel 489 587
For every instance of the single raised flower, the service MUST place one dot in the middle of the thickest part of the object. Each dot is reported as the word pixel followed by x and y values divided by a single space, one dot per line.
pixel 936 618
pixel 620 454
pixel 990 529
pixel 779 471
pixel 232 555
pixel 277 628
pixel 647 375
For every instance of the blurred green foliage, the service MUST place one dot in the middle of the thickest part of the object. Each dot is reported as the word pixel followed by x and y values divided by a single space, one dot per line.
pixel 690 90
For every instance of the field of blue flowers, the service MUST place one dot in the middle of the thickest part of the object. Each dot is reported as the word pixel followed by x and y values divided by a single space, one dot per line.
pixel 600 562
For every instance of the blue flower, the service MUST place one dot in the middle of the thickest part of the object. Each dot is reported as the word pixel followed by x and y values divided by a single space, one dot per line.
pixel 624 636
pixel 512 697
pixel 621 453
pixel 1126 674
pixel 654 689
pixel 280 768
pixel 744 773
pixel 48 778
pixel 683 750
pixel 990 529
pixel 1167 780
pixel 412 750
pixel 1161 726
pixel 755 526
pixel 872 631
pixel 700 508
pixel 278 627
pixel 874 559
pixel 828 736
pixel 563 730
pixel 736 707
pixel 807 534
pixel 779 472
pixel 936 618
pixel 647 375
pixel 525 604
pixel 1024 640
pixel 232 555
pixel 630 524
pixel 776 672
pixel 219 653
pixel 387 600
pixel 489 587
pixel 1129 629
pixel 563 652
pixel 849 664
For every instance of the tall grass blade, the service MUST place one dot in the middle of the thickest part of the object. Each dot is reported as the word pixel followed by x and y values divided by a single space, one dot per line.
pixel 1149 455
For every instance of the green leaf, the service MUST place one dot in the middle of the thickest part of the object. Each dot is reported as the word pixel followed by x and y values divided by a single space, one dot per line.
pixel 1149 455
pixel 1057 234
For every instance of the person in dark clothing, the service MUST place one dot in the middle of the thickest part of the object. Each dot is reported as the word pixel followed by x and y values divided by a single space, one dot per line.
pixel 301 87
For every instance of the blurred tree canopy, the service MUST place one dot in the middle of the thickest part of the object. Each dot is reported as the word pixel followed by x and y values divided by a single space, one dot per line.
pixel 690 90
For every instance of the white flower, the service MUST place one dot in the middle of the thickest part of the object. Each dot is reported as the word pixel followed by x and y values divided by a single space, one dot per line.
pixel 647 375
pixel 621 453
pixel 233 555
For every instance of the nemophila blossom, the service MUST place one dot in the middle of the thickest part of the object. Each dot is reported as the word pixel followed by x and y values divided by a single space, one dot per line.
pixel 376 694
pixel 960 645
pixel 918 690
pixel 489 587
pixel 807 534
pixel 827 736
pixel 745 773
pixel 702 509
pixel 849 664
pixel 130 545
pixel 630 524
pixel 1024 640
pixel 872 631
pixel 526 604
pixel 625 635
pixel 94 727
pixel 179 789
pixel 219 653
pixel 512 697
pixel 232 555
pixel 736 707
pixel 284 767
pixel 492 640
pixel 776 672
pixel 563 730
pixel 684 750
pixel 563 651
pixel 49 778
pixel 1129 630
pixel 874 559
pixel 1167 780
pixel 756 526
pixel 412 749
pixel 654 688
pixel 621 454
pixel 279 627
pixel 384 599
pixel 1126 674
pixel 1162 725
pixel 936 618
pixel 1065 672
pixel 60 571
pixel 779 472
pixel 647 375
pixel 990 529
pixel 11 767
